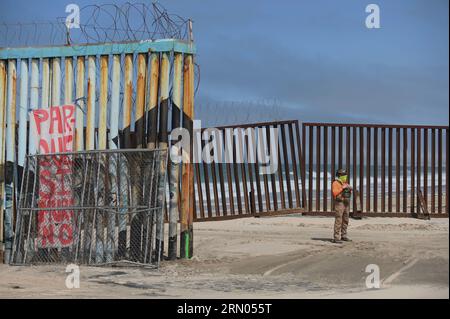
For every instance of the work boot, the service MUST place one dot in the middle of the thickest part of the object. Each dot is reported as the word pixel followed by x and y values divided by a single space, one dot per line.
pixel 336 241
pixel 346 239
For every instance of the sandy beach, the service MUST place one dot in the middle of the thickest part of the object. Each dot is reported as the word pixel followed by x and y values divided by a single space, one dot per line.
pixel 274 257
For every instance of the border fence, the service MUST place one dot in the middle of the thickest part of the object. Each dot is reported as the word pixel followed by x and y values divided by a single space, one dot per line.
pixel 392 167
pixel 263 175
pixel 127 95
pixel 130 93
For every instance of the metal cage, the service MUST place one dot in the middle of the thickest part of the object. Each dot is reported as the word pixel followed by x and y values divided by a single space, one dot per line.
pixel 91 207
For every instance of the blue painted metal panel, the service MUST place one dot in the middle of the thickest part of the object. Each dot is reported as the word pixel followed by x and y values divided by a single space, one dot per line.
pixel 165 45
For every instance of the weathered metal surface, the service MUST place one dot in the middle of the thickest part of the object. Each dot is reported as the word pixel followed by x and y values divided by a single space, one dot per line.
pixel 90 109
pixel 162 139
pixel 103 104
pixel 23 112
pixel 115 104
pixel 174 177
pixel 404 166
pixel 127 100
pixel 11 168
pixel 187 183
pixel 152 106
pixel 56 82
pixel 231 202
pixel 99 107
pixel 45 92
pixel 80 110
pixel 140 100
pixel 34 101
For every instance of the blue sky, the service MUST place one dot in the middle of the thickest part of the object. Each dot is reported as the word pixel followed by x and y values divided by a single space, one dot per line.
pixel 315 58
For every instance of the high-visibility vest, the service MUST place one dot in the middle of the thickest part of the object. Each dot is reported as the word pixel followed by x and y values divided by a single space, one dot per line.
pixel 337 187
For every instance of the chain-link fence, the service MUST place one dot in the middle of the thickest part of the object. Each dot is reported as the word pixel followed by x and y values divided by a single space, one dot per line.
pixel 93 207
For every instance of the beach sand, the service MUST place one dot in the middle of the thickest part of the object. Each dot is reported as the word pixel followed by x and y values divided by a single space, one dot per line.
pixel 273 257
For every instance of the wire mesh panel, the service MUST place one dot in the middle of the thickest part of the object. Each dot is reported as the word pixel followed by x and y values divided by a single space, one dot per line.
pixel 93 207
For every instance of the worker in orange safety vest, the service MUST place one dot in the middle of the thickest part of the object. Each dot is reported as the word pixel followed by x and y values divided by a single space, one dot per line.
pixel 342 192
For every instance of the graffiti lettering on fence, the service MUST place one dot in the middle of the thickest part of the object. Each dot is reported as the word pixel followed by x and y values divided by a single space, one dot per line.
pixel 53 129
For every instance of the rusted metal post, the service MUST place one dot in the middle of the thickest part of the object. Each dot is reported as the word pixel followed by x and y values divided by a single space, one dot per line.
pixel 10 157
pixel 412 166
pixel 347 154
pixel 383 169
pixel 390 170
pixel 375 169
pixel 405 170
pixel 137 220
pixel 301 156
pixel 368 179
pixel 325 169
pixel 294 168
pixel 419 165
pixel 221 167
pixel 56 82
pixel 397 170
pixel 34 101
pixel 229 159
pixel 355 171
pixel 433 170
pixel 446 169
pixel 286 164
pixel 23 112
pixel 152 107
pixel 174 178
pixel 163 144
pixel 68 81
pixel 361 165
pixel 2 149
pixel 140 100
pixel 127 100
pixel 425 165
pixel 333 159
pixel 124 165
pixel 90 123
pixel 187 204
pixel 101 138
pixel 440 154
pixel 116 181
pixel 340 147
pixel 102 118
pixel 45 93
pixel 79 113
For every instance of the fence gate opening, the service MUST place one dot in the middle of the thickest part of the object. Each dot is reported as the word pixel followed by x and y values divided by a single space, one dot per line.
pixel 91 207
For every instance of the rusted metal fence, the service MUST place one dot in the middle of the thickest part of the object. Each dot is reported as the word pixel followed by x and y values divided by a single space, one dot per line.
pixel 91 207
pixel 255 170
pixel 388 164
